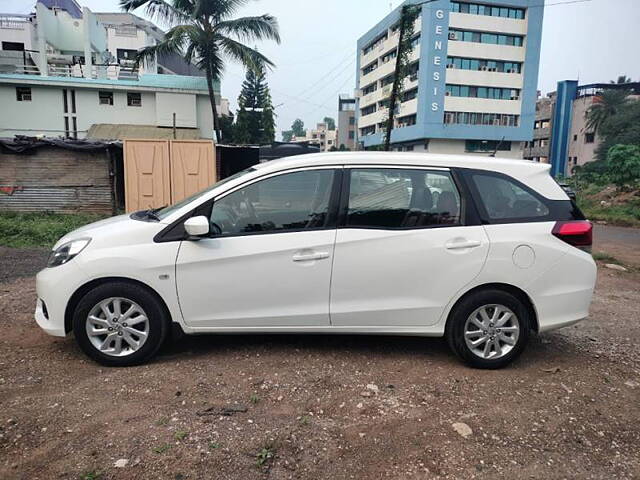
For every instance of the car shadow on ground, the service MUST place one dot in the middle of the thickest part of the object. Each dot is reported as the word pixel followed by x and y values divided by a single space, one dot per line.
pixel 541 349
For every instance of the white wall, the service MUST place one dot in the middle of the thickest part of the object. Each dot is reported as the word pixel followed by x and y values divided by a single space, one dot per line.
pixel 44 114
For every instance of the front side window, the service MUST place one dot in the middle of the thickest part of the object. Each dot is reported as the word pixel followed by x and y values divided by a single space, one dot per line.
pixel 504 199
pixel 397 198
pixel 292 201
pixel 134 99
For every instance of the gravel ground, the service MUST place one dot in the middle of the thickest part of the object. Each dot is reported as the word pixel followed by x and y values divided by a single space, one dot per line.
pixel 319 407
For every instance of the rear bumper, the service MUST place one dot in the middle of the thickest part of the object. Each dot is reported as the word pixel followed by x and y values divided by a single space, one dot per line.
pixel 562 296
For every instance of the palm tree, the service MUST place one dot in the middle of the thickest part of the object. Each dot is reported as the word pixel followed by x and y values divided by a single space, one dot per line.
pixel 204 32
pixel 605 105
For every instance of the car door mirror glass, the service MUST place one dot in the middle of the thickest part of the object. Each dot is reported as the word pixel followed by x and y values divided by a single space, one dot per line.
pixel 197 226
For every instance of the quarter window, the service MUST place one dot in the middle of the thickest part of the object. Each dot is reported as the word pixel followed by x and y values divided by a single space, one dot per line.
pixel 293 201
pixel 504 199
pixel 396 198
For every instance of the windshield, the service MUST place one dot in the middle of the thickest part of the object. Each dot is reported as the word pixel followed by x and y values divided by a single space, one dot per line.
pixel 165 212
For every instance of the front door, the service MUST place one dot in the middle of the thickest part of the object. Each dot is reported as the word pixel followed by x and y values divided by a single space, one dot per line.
pixel 403 252
pixel 268 264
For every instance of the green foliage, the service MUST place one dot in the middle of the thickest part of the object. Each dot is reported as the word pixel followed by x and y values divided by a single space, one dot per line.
pixel 297 127
pixel 161 448
pixel 254 399
pixel 343 148
pixel 622 128
pixel 93 475
pixel 256 123
pixel 605 105
pixel 623 162
pixel 227 127
pixel 24 230
pixel 180 435
pixel 287 135
pixel 409 15
pixel 265 455
pixel 331 123
pixel 206 33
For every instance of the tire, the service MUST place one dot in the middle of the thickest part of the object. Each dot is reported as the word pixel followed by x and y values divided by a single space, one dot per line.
pixel 124 297
pixel 482 307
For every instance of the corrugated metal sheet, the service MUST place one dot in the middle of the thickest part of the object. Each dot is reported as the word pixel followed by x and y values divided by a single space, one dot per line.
pixel 59 200
pixel 56 180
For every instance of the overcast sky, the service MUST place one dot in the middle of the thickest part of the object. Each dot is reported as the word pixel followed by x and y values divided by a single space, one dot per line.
pixel 593 41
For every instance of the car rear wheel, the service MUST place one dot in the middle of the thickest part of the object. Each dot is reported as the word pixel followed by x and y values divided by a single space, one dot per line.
pixel 489 329
pixel 120 324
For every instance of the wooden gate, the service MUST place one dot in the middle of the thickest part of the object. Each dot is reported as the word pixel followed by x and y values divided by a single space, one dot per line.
pixel 163 172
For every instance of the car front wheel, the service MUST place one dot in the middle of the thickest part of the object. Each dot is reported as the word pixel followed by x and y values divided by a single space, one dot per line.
pixel 120 324
pixel 489 329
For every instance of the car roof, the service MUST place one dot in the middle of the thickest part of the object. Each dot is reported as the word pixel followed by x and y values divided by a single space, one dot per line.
pixel 511 167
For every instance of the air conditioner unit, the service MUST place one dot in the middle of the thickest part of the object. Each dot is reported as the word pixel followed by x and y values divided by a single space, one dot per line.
pixel 483 69
pixel 451 65
pixel 496 121
pixel 448 94
pixel 515 98
pixel 453 36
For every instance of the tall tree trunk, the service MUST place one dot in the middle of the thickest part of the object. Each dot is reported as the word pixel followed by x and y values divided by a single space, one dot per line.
pixel 397 82
pixel 214 110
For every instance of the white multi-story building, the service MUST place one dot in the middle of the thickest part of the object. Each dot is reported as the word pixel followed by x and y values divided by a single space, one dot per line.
pixel 472 80
pixel 321 136
pixel 64 70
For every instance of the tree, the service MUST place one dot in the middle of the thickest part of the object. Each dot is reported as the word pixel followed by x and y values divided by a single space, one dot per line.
pixel 287 135
pixel 297 127
pixel 408 16
pixel 624 164
pixel 227 129
pixel 605 105
pixel 205 32
pixel 622 79
pixel 331 123
pixel 620 129
pixel 255 124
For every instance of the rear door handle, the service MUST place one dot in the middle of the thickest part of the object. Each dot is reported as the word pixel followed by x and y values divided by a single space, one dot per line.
pixel 309 257
pixel 462 244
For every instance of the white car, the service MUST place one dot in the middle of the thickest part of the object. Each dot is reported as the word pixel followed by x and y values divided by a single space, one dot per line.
pixel 333 243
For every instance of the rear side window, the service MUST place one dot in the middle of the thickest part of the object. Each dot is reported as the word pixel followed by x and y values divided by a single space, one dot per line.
pixel 504 199
pixel 402 198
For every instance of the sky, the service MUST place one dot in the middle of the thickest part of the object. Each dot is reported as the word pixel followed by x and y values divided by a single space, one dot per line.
pixel 592 41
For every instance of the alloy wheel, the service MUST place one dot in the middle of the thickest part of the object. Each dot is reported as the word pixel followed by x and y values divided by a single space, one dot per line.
pixel 491 331
pixel 117 326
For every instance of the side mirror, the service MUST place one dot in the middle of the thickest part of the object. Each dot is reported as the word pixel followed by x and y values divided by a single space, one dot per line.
pixel 197 226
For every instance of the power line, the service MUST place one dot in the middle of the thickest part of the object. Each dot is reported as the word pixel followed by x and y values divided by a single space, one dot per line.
pixel 349 58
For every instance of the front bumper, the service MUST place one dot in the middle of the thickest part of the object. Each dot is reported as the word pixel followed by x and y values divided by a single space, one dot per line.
pixel 54 287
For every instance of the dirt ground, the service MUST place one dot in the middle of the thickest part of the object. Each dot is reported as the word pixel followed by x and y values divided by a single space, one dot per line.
pixel 319 407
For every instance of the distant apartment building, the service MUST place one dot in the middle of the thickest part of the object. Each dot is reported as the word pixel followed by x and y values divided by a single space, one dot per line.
pixel 321 136
pixel 472 80
pixel 347 129
pixel 66 71
pixel 560 135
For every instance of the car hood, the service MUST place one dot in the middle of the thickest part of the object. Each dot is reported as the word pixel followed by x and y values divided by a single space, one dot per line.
pixel 120 226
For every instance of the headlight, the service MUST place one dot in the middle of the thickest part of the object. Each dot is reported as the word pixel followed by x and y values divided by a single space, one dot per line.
pixel 67 251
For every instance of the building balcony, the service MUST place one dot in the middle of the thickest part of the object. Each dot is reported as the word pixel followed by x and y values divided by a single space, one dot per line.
pixel 484 78
pixel 486 23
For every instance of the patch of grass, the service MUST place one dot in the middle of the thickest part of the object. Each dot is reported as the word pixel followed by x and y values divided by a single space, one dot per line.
pixel 625 215
pixel 93 475
pixel 161 448
pixel 254 399
pixel 180 435
pixel 606 258
pixel 24 230
pixel 162 421
pixel 305 420
pixel 264 455
pixel 214 445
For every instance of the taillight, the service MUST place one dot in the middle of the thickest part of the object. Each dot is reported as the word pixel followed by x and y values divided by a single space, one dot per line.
pixel 578 233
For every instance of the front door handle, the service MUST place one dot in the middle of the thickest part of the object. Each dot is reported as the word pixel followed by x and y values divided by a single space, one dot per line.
pixel 462 244
pixel 309 257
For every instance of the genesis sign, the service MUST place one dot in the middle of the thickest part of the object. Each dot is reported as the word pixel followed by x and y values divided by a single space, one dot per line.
pixel 437 59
